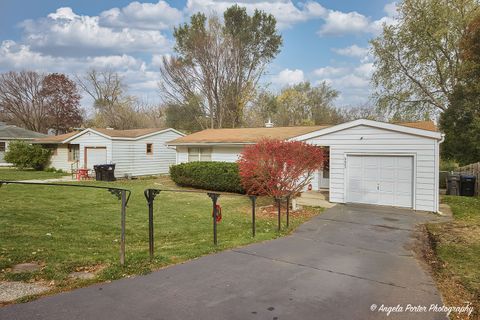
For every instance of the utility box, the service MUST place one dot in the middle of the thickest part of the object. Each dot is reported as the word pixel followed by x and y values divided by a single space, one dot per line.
pixel 467 185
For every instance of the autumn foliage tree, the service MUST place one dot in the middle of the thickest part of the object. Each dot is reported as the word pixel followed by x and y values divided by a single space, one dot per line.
pixel 278 168
pixel 39 102
pixel 63 102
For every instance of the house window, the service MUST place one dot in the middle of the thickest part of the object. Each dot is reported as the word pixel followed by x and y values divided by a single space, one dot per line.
pixel 73 152
pixel 199 154
pixel 149 148
pixel 2 146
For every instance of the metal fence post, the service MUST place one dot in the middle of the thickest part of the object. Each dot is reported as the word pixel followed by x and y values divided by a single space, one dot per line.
pixel 253 199
pixel 279 203
pixel 123 218
pixel 288 211
pixel 150 224
pixel 150 195
pixel 214 197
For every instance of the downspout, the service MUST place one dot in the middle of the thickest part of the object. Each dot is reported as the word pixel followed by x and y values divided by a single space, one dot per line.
pixel 437 175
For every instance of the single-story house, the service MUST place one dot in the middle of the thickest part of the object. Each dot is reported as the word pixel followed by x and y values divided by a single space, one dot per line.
pixel 9 133
pixel 370 162
pixel 134 152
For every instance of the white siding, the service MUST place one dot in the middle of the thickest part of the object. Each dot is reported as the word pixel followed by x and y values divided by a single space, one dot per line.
pixel 368 140
pixel 59 160
pixel 131 157
pixel 226 154
pixel 90 139
pixel 2 161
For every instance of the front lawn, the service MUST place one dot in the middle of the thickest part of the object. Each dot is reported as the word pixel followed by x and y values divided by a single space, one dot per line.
pixel 456 245
pixel 73 229
pixel 14 174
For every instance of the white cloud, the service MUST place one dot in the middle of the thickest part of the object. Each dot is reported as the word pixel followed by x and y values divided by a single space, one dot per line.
pixel 327 72
pixel 353 82
pixel 352 51
pixel 289 77
pixel 391 9
pixel 153 16
pixel 285 11
pixel 339 23
pixel 65 33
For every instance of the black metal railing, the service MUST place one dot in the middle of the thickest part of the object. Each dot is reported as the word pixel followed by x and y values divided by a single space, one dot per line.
pixel 120 193
pixel 150 195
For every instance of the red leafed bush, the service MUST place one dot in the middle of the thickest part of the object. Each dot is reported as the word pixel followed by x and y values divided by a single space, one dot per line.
pixel 278 168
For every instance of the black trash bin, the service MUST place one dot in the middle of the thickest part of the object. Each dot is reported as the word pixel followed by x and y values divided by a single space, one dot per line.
pixel 467 185
pixel 109 172
pixel 98 172
pixel 453 184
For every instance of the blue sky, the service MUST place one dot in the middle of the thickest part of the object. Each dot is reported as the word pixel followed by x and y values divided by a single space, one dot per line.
pixel 323 40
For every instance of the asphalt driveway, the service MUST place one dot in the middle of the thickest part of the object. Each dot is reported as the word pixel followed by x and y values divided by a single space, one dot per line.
pixel 335 266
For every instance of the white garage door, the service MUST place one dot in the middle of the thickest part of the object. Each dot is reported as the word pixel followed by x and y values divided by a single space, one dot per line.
pixel 382 180
pixel 94 156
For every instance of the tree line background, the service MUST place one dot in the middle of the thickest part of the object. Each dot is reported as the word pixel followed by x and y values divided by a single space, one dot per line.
pixel 427 66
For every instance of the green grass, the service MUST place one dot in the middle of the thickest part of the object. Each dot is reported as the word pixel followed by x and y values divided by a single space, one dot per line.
pixel 14 174
pixel 67 229
pixel 457 243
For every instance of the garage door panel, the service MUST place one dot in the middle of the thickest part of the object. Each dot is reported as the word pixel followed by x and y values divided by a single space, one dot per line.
pixel 387 174
pixel 386 186
pixel 95 156
pixel 370 172
pixel 383 180
pixel 404 162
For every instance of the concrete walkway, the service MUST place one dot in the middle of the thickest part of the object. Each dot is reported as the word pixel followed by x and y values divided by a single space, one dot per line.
pixel 335 266
pixel 61 179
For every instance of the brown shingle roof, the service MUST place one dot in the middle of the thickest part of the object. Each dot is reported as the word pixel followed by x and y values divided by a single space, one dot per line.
pixel 55 139
pixel 252 135
pixel 244 135
pixel 134 133
pixel 424 125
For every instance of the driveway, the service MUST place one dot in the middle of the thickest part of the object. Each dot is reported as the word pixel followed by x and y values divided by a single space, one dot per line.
pixel 335 266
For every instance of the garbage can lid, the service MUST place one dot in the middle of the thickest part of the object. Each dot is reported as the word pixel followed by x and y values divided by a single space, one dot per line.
pixel 467 176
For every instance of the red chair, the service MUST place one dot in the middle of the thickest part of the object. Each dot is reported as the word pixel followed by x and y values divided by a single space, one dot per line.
pixel 82 174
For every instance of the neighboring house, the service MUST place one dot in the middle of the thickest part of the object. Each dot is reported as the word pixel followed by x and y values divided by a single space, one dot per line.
pixel 9 133
pixel 134 152
pixel 370 162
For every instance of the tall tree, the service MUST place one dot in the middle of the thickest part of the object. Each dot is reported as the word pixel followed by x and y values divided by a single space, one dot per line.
pixel 304 104
pixel 114 108
pixel 219 64
pixel 21 101
pixel 63 102
pixel 461 122
pixel 417 58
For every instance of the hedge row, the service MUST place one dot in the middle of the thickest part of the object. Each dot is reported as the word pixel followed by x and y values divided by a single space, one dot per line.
pixel 209 175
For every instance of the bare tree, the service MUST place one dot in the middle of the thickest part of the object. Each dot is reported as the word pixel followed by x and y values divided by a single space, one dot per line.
pixel 104 87
pixel 219 64
pixel 21 100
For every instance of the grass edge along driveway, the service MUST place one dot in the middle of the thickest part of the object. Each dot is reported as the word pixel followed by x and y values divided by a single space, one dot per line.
pixel 72 229
pixel 455 246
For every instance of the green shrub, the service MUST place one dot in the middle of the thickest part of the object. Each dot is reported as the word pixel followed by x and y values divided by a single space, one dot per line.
pixel 216 176
pixel 24 155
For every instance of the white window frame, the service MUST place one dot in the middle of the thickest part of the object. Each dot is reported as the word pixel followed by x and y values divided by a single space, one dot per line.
pixel 199 154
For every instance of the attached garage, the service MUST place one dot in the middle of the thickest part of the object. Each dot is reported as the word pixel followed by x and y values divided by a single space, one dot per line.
pixel 382 163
